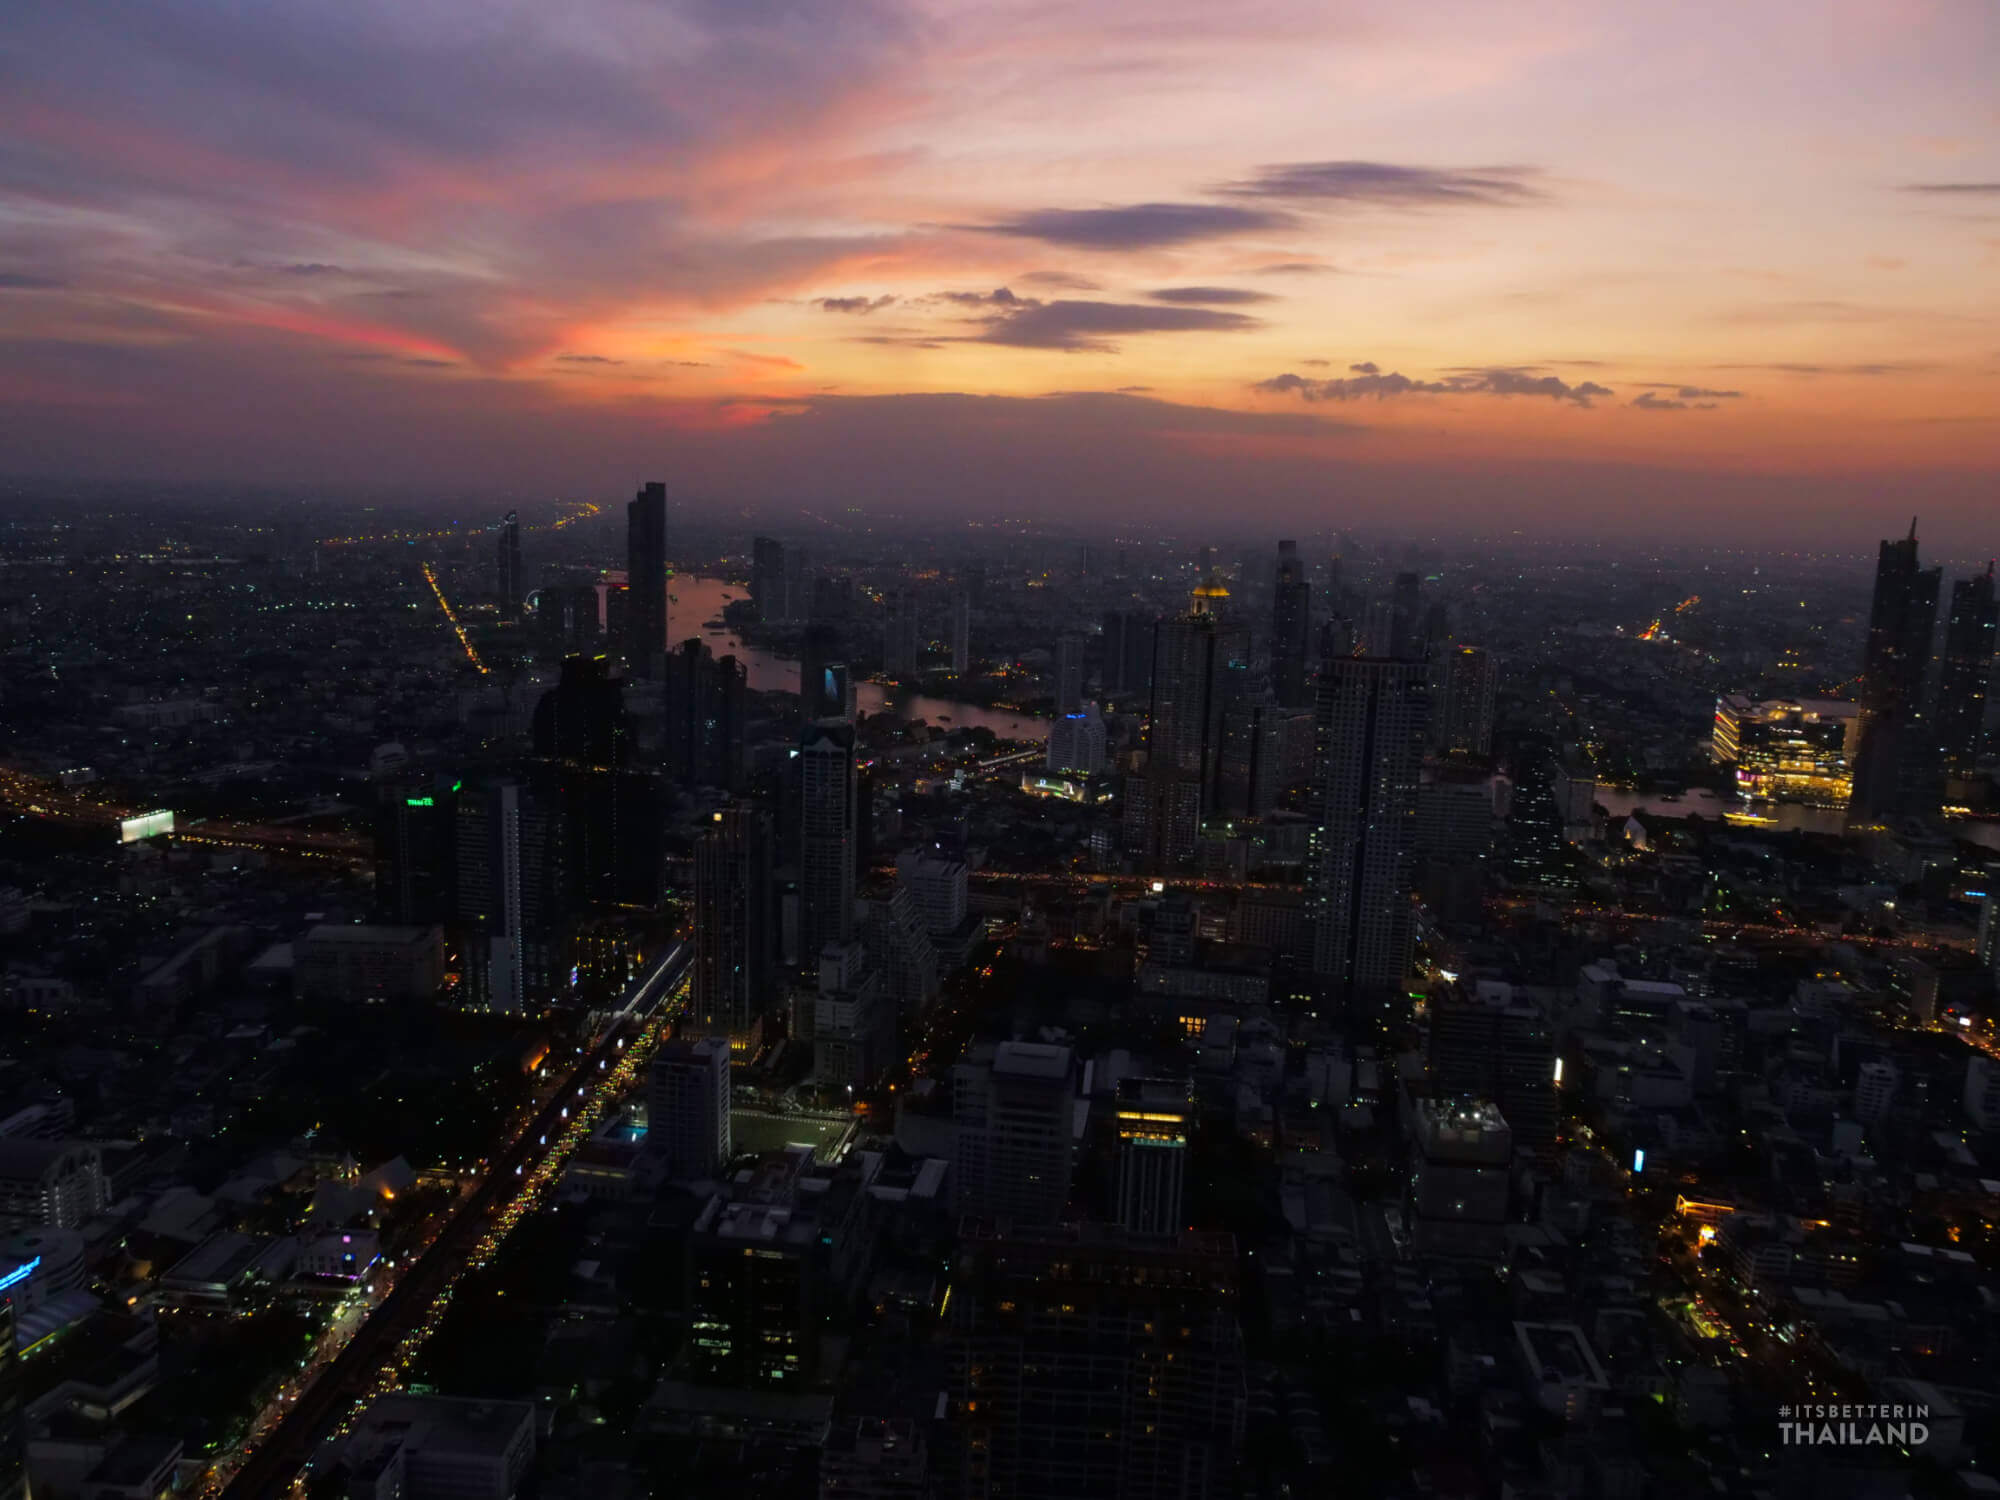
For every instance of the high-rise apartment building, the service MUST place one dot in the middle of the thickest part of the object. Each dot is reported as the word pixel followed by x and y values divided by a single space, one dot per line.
pixel 1370 721
pixel 1013 1113
pixel 1086 1361
pixel 687 1106
pixel 1291 630
pixel 646 580
pixel 1965 672
pixel 735 936
pixel 1154 1118
pixel 1896 765
pixel 827 807
pixel 1464 681
pixel 414 841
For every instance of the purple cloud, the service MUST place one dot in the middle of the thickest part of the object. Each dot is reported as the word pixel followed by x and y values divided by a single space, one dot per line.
pixel 1139 226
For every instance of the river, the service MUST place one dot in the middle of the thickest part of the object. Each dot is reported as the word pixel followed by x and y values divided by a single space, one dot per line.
pixel 697 599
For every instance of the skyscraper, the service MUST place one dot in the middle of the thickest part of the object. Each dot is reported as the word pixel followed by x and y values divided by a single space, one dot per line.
pixel 706 706
pixel 1128 654
pixel 1406 636
pixel 1069 674
pixel 1154 1119
pixel 1291 629
pixel 827 809
pixel 646 580
pixel 605 845
pixel 734 931
pixel 902 644
pixel 770 588
pixel 961 634
pixel 1464 682
pixel 1493 1046
pixel 1965 671
pixel 1013 1111
pixel 488 898
pixel 414 840
pixel 1894 768
pixel 687 1106
pixel 1370 720
pixel 1200 668
pixel 825 685
pixel 508 566
pixel 1088 1361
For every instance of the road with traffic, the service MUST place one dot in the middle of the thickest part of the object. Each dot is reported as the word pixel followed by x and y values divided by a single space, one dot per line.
pixel 518 1177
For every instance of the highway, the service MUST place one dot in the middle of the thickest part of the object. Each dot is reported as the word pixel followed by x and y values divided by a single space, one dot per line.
pixel 372 1359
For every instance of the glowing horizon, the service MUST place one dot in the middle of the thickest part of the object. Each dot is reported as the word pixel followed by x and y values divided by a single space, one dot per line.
pixel 1305 247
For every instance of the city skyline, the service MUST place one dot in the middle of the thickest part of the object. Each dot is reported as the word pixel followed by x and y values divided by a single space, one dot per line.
pixel 1593 269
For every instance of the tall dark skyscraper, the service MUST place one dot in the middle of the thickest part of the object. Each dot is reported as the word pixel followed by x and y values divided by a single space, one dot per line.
pixel 646 580
pixel 602 811
pixel 488 897
pixel 778 584
pixel 734 925
pixel 1464 679
pixel 1291 629
pixel 414 841
pixel 1895 766
pixel 1089 1361
pixel 706 699
pixel 1069 674
pixel 508 566
pixel 1128 654
pixel 1965 671
pixel 1406 634
pixel 1200 668
pixel 1370 721
pixel 827 808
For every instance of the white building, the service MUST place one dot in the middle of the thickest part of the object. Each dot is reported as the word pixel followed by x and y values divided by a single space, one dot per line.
pixel 687 1103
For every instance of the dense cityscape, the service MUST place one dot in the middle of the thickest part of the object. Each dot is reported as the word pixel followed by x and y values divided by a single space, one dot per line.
pixel 601 998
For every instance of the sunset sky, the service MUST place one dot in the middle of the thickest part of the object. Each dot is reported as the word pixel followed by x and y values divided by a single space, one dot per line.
pixel 1732 265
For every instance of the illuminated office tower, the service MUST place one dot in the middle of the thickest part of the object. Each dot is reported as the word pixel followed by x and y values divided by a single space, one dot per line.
pixel 827 806
pixel 1965 672
pixel 646 580
pixel 1291 630
pixel 1154 1118
pixel 1895 767
pixel 1370 720
pixel 508 566
pixel 734 924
